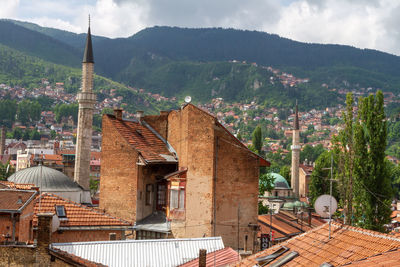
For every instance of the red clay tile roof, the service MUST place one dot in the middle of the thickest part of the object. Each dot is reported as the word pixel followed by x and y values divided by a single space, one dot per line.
pixel 78 215
pixel 13 185
pixel 9 198
pixel 220 257
pixel 390 258
pixel 52 157
pixel 282 225
pixel 347 244
pixel 143 140
pixel 71 257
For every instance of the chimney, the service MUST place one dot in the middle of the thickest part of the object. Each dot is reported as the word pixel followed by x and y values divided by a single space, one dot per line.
pixel 202 257
pixel 43 237
pixel 19 201
pixel 139 115
pixel 118 113
pixel 3 140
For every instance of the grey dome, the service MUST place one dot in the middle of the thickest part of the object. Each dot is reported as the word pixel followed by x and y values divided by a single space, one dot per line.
pixel 52 180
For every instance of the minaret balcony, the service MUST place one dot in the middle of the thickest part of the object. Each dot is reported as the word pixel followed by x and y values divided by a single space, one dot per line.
pixel 86 97
pixel 295 147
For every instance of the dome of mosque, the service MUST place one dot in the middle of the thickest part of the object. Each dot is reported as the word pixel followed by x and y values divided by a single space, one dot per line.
pixel 47 179
pixel 279 181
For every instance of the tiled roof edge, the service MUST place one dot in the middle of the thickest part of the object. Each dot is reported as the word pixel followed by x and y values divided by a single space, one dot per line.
pixel 366 232
pixel 85 207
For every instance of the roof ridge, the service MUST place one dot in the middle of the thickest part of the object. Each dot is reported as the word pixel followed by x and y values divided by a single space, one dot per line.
pixel 365 231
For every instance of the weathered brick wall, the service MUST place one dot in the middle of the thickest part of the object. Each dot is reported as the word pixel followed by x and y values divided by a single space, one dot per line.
pixel 83 236
pixel 236 191
pixel 159 123
pixel 191 134
pixel 118 184
pixel 25 230
pixel 5 225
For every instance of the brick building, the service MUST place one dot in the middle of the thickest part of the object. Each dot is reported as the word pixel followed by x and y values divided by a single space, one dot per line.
pixel 78 223
pixel 16 215
pixel 180 174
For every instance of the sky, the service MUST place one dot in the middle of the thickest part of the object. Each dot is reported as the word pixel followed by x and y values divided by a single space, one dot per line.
pixel 370 24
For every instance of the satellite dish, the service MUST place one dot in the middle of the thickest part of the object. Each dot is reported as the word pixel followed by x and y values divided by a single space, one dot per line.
pixel 188 99
pixel 322 205
pixel 55 223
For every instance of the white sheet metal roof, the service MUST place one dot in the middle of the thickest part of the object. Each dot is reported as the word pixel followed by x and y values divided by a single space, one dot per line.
pixel 143 253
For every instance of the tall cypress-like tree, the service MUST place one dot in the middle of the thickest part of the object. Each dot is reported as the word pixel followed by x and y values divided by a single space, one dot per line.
pixel 344 148
pixel 257 139
pixel 371 173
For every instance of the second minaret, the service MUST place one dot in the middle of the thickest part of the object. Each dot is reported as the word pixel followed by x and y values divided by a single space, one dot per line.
pixel 295 154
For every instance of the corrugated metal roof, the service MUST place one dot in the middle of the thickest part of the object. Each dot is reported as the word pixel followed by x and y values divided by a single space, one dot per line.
pixel 146 253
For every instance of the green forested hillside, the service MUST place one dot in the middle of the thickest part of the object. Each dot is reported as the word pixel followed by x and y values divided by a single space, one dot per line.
pixel 178 61
pixel 17 68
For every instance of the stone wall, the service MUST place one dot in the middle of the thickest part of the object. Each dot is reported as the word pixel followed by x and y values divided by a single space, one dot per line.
pixel 118 183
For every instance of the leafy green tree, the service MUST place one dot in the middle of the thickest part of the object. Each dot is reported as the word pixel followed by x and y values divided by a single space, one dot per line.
pixel 285 172
pixel 257 139
pixel 266 183
pixel 311 153
pixel 28 111
pixel 344 148
pixel 5 171
pixel 371 171
pixel 262 209
pixel 320 177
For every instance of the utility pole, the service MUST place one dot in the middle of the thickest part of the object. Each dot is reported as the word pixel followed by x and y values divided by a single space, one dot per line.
pixel 330 194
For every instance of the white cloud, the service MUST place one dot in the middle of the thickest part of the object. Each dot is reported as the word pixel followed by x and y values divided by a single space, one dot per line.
pixel 8 8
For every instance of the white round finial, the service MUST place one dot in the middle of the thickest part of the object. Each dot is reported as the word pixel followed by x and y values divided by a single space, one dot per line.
pixel 188 99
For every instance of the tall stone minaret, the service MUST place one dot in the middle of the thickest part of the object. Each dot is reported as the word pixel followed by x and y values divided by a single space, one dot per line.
pixel 86 99
pixel 3 140
pixel 295 154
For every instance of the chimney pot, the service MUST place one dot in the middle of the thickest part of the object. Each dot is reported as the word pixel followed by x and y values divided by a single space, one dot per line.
pixel 118 113
pixel 139 115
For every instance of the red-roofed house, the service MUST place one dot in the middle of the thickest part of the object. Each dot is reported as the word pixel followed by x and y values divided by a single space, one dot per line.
pixel 16 215
pixel 79 222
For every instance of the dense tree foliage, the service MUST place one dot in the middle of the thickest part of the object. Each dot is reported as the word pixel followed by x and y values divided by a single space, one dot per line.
pixel 257 140
pixel 364 176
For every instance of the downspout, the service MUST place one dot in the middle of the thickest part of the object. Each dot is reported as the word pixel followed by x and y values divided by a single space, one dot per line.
pixel 215 187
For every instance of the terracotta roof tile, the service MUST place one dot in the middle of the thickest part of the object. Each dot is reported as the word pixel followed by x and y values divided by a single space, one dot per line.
pixel 9 198
pixel 220 257
pixel 76 214
pixel 143 140
pixel 347 244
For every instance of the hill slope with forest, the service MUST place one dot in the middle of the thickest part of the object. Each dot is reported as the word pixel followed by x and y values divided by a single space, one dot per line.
pixel 178 61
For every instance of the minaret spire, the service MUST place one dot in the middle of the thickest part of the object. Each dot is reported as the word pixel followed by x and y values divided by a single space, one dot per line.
pixel 86 99
pixel 88 54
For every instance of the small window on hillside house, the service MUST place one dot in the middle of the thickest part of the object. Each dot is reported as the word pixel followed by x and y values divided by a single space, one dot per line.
pixel 60 211
pixel 149 194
